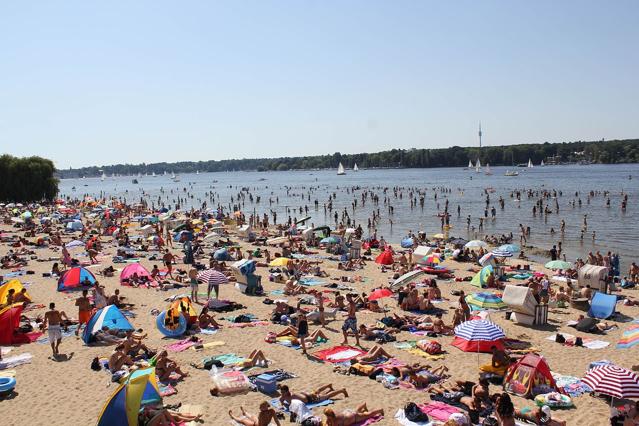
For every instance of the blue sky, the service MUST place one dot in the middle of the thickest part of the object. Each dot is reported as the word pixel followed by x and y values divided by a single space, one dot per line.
pixel 93 83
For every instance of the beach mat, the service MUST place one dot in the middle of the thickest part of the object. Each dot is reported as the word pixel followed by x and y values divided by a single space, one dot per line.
pixel 338 354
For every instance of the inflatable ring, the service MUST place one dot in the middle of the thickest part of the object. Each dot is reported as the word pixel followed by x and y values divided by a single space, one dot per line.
pixel 553 400
pixel 180 330
pixel 7 384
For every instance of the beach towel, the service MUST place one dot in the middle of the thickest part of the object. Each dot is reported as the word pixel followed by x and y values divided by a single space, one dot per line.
pixel 249 324
pixel 573 386
pixel 65 333
pixel 208 331
pixel 438 410
pixel 424 354
pixel 339 354
pixel 166 389
pixel 182 345
pixel 400 416
pixel 8 373
pixel 279 375
pixel 587 342
pixel 309 282
pixel 275 403
pixel 208 345
pixel 14 361
pixel 229 359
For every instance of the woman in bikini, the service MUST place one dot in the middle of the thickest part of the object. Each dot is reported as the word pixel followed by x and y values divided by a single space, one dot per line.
pixel 350 417
pixel 264 418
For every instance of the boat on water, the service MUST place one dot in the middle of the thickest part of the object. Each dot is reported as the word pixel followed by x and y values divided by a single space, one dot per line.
pixel 511 173
pixel 153 174
pixel 470 165
pixel 478 166
pixel 197 172
pixel 542 163
pixel 135 181
pixel 488 172
pixel 355 168
pixel 340 169
pixel 530 164
pixel 103 177
pixel 175 178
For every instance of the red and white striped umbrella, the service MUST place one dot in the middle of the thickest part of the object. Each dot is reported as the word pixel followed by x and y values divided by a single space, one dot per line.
pixel 212 277
pixel 613 380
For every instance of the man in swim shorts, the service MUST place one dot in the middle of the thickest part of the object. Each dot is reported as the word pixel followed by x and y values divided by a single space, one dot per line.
pixel 53 318
pixel 84 310
pixel 351 321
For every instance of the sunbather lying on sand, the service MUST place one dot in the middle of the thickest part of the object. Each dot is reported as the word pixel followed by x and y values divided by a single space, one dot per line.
pixel 255 358
pixel 375 353
pixel 538 416
pixel 151 416
pixel 350 417
pixel 321 394
pixel 264 418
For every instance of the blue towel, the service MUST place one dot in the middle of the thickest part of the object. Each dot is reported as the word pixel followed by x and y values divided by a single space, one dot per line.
pixel 275 403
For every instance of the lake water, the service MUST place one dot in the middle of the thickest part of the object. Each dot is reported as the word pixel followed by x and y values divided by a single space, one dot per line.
pixel 616 230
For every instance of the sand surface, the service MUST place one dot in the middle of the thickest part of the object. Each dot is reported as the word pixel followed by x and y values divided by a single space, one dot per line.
pixel 70 393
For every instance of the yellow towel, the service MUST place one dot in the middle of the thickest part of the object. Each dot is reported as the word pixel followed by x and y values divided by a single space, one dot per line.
pixel 8 373
pixel 419 352
pixel 209 345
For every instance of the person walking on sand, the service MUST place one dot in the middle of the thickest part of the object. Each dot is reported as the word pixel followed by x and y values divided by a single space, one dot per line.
pixel 84 310
pixel 351 321
pixel 194 284
pixel 168 262
pixel 53 319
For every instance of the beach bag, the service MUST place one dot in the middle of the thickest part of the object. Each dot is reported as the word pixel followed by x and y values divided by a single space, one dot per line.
pixel 210 362
pixel 414 414
pixel 95 364
pixel 560 338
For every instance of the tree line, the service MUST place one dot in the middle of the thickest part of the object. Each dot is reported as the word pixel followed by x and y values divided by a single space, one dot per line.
pixel 602 152
pixel 27 179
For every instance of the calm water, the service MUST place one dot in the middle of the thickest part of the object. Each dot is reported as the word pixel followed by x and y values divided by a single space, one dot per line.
pixel 616 230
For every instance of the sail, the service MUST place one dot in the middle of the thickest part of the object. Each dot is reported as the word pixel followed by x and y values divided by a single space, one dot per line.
pixel 470 164
pixel 478 166
pixel 542 163
pixel 103 176
pixel 355 168
pixel 340 169
pixel 488 172
pixel 530 164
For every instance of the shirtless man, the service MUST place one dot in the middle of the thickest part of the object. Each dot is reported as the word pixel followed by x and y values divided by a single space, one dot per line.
pixel 264 418
pixel 351 321
pixel 168 262
pixel 84 310
pixel 586 292
pixel 53 319
pixel 321 394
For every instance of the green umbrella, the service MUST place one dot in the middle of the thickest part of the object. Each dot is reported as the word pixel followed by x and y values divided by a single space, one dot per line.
pixel 558 264
pixel 481 278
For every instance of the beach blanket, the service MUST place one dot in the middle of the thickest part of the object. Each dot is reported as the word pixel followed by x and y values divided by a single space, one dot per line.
pixel 207 345
pixel 588 343
pixel 400 416
pixel 424 354
pixel 275 403
pixel 166 389
pixel 573 386
pixel 279 375
pixel 65 333
pixel 229 359
pixel 8 373
pixel 208 331
pixel 14 274
pixel 438 410
pixel 232 318
pixel 182 345
pixel 309 282
pixel 14 361
pixel 339 354
pixel 249 324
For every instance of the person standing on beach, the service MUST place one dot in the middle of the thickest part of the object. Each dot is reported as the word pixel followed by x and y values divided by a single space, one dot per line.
pixel 53 319
pixel 168 262
pixel 351 320
pixel 84 310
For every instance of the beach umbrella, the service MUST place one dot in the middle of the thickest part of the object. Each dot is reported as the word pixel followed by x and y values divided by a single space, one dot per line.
pixel 330 240
pixel 212 277
pixel 487 259
pixel 475 244
pixel 558 264
pixel 432 259
pixel 485 300
pixel 458 241
pixel 481 278
pixel 380 294
pixel 513 248
pixel 501 253
pixel 211 236
pixel 409 277
pixel 221 254
pixel 279 261
pixel 478 336
pixel 613 380
pixel 629 338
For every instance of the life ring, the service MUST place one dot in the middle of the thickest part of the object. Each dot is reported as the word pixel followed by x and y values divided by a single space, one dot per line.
pixel 178 331
pixel 7 384
pixel 553 400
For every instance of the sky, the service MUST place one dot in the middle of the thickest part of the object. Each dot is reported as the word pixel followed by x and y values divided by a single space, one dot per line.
pixel 97 83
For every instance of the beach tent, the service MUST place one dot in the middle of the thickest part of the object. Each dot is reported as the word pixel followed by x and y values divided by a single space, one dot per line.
pixel 524 306
pixel 110 317
pixel 135 268
pixel 419 253
pixel 15 285
pixel 385 258
pixel 122 408
pixel 594 276
pixel 75 278
pixel 74 225
pixel 529 376
pixel 407 243
pixel 602 305
pixel 9 322
pixel 221 255
pixel 481 278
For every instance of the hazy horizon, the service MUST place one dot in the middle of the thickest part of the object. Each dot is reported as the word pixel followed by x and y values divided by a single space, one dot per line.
pixel 100 84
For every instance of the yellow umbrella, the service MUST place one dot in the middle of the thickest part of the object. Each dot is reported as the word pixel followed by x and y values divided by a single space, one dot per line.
pixel 279 261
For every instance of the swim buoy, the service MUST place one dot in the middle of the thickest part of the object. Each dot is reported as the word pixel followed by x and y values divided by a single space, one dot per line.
pixel 554 400
pixel 178 331
pixel 7 384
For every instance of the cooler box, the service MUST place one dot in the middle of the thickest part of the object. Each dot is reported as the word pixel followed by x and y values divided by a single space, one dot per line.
pixel 266 383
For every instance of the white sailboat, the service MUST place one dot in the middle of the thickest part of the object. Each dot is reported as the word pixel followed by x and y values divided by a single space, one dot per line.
pixel 487 171
pixel 103 176
pixel 197 172
pixel 172 175
pixel 153 174
pixel 478 166
pixel 340 169
pixel 542 163
pixel 355 168
pixel 530 164
pixel 470 165
pixel 511 173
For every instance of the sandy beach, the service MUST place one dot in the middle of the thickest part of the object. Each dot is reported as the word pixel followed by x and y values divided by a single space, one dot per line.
pixel 69 393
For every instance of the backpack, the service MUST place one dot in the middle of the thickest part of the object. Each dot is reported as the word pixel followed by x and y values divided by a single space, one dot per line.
pixel 95 364
pixel 414 414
